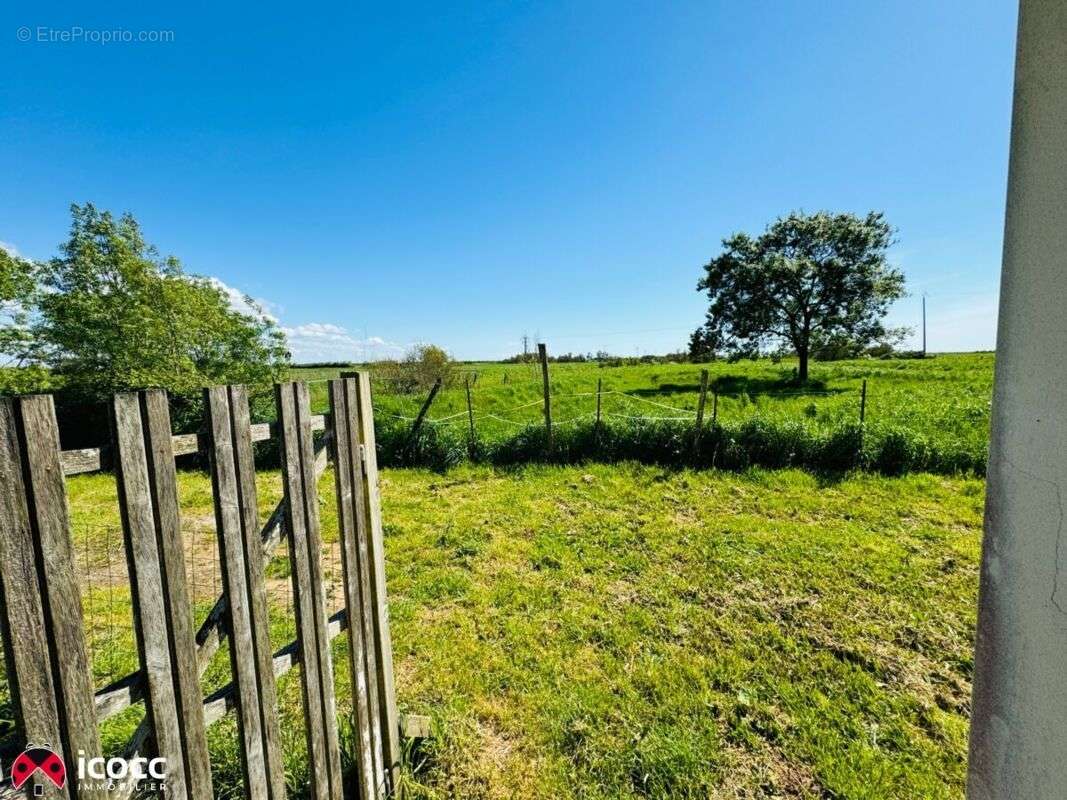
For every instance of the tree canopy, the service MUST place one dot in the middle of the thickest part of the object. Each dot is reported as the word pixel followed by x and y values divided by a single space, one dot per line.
pixel 808 279
pixel 109 314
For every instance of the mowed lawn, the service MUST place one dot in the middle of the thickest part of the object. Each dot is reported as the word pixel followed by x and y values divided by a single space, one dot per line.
pixel 627 631
pixel 630 632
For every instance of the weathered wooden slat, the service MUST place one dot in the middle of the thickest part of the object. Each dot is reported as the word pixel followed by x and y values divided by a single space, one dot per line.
pixel 139 522
pixel 236 515
pixel 64 634
pixel 148 500
pixel 124 692
pixel 92 459
pixel 184 443
pixel 348 481
pixel 257 590
pixel 29 672
pixel 305 548
pixel 86 460
pixel 190 703
pixel 128 690
pixel 383 642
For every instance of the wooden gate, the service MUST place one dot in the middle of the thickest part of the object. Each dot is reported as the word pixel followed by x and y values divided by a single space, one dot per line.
pixel 41 620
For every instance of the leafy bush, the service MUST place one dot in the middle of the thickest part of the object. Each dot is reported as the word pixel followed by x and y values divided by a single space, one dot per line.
pixel 418 370
pixel 898 451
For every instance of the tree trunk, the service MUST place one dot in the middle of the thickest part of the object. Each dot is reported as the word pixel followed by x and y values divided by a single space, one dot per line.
pixel 802 372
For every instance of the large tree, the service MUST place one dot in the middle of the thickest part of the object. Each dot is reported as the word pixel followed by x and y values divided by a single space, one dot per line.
pixel 807 279
pixel 113 315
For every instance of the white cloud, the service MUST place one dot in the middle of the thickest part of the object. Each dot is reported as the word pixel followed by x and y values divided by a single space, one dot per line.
pixel 245 304
pixel 324 341
pixel 312 341
pixel 319 330
pixel 11 249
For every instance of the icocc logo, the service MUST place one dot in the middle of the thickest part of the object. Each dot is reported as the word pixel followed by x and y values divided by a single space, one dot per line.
pixel 125 770
pixel 38 760
pixel 93 772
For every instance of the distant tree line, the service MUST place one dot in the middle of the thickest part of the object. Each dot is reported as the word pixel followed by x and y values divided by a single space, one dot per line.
pixel 601 357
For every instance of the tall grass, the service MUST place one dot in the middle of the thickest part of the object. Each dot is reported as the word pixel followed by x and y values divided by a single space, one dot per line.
pixel 879 447
pixel 921 414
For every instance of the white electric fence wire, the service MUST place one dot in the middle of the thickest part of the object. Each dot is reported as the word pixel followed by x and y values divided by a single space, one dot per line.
pixel 650 402
pixel 631 416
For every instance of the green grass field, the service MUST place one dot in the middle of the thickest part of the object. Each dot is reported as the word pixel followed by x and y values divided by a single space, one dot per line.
pixel 628 631
pixel 939 404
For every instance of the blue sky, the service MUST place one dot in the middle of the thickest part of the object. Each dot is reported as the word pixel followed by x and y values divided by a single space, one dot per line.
pixel 384 174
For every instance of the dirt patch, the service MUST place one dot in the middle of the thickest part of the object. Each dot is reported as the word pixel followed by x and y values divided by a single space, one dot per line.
pixel 766 773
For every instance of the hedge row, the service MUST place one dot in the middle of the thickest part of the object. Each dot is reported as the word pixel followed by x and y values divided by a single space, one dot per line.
pixel 878 448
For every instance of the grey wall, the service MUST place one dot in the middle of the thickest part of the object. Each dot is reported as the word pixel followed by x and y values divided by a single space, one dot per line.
pixel 1019 719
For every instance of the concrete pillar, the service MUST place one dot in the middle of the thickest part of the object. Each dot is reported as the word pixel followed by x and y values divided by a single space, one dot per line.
pixel 1018 743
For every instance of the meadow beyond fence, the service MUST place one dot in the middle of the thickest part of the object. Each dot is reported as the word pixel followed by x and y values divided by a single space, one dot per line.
pixel 914 415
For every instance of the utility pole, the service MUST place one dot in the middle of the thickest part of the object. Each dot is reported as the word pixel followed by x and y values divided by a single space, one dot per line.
pixel 525 347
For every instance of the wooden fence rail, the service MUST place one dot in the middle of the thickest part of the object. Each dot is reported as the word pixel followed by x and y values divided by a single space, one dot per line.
pixel 41 617
pixel 93 459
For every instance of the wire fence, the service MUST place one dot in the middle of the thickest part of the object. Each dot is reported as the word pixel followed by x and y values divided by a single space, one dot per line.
pixel 103 569
pixel 677 412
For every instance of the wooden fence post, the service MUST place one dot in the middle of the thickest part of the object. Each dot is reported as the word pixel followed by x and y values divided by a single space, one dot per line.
pixel 714 407
pixel 542 351
pixel 236 519
pixel 863 401
pixel 470 416
pixel 41 611
pixel 703 399
pixel 422 413
pixel 148 502
pixel 372 519
pixel 305 549
pixel 359 601
pixel 599 387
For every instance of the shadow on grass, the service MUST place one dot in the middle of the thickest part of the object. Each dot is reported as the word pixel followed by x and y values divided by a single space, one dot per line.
pixel 743 384
pixel 665 388
pixel 786 383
